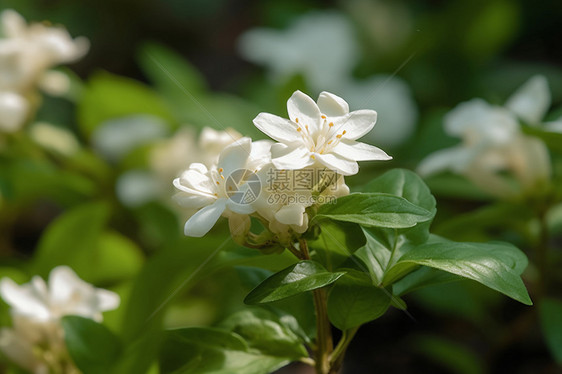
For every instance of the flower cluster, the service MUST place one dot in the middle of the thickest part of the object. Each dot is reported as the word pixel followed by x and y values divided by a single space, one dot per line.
pixel 495 152
pixel 26 54
pixel 279 183
pixel 36 342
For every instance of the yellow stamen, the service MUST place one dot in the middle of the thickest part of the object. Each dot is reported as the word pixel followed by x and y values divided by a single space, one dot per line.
pixel 312 157
pixel 299 129
pixel 221 170
pixel 296 120
pixel 331 124
pixel 339 136
pixel 330 142
pixel 323 117
pixel 343 133
pixel 306 126
pixel 222 176
pixel 217 183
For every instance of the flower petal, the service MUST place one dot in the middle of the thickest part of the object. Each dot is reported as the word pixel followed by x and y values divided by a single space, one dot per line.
pixel 352 150
pixel 201 222
pixel 455 158
pixel 235 156
pixel 356 124
pixel 304 111
pixel 287 157
pixel 280 129
pixel 332 105
pixel 107 300
pixel 531 101
pixel 291 214
pixel 192 201
pixel 338 163
pixel 24 299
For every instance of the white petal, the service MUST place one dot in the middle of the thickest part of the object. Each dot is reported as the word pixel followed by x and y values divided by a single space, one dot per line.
pixel 192 181
pixel 13 24
pixel 192 201
pixel 204 220
pixel 300 106
pixel 24 299
pixel 338 163
pixel 555 126
pixel 235 156
pixel 291 214
pixel 63 284
pixel 455 158
pixel 286 157
pixel 531 101
pixel 465 115
pixel 107 300
pixel 356 124
pixel 332 105
pixel 280 129
pixel 353 150
pixel 14 109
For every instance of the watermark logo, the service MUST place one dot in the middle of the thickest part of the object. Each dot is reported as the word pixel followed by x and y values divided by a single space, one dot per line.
pixel 243 186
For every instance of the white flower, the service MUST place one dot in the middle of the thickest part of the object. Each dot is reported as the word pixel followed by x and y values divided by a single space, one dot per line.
pixel 321 46
pixel 65 294
pixel 493 142
pixel 211 191
pixel 320 133
pixel 13 111
pixel 36 340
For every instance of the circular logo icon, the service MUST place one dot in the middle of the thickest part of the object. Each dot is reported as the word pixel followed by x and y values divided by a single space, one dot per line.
pixel 243 186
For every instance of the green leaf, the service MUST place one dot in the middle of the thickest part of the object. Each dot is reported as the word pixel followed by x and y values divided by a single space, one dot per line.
pixel 169 71
pixel 298 278
pixel 407 184
pixel 213 351
pixel 71 236
pixel 264 330
pixel 375 209
pixel 91 345
pixel 355 300
pixel 422 277
pixel 552 139
pixel 108 96
pixel 450 355
pixel 495 265
pixel 551 322
pixel 336 242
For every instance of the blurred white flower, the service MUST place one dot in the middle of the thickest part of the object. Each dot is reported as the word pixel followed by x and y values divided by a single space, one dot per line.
pixel 392 98
pixel 211 191
pixel 322 133
pixel 26 53
pixel 54 138
pixel 493 142
pixel 13 111
pixel 321 46
pixel 531 101
pixel 136 187
pixel 36 340
pixel 116 137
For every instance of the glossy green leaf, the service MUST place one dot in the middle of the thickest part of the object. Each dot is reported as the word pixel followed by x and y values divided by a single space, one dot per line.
pixel 495 265
pixel 336 242
pixel 302 277
pixel 375 209
pixel 213 351
pixel 91 345
pixel 355 300
pixel 265 331
pixel 407 184
pixel 550 313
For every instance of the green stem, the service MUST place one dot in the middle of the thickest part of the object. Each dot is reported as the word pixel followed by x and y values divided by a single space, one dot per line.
pixel 542 254
pixel 336 359
pixel 324 341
